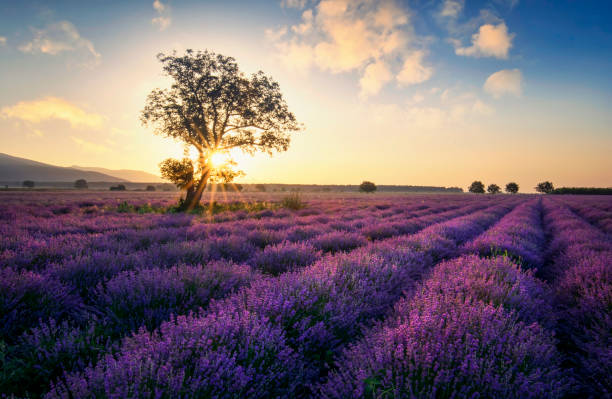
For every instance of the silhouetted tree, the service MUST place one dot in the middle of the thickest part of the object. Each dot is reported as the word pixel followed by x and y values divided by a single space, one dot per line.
pixel 476 187
pixel 118 187
pixel 81 184
pixel 493 189
pixel 213 107
pixel 512 188
pixel 150 188
pixel 28 184
pixel 545 187
pixel 367 187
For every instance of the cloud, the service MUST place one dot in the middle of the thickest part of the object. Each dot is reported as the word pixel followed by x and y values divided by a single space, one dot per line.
pixel 2 41
pixel 60 37
pixel 375 76
pixel 300 4
pixel 451 8
pixel 90 146
pixel 373 38
pixel 426 111
pixel 163 19
pixel 506 81
pixel 413 70
pixel 489 41
pixel 50 108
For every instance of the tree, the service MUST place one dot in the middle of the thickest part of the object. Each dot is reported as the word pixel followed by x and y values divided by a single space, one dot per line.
pixel 150 188
pixel 118 187
pixel 545 187
pixel 493 189
pixel 81 184
pixel 512 188
pixel 213 108
pixel 28 184
pixel 476 187
pixel 367 187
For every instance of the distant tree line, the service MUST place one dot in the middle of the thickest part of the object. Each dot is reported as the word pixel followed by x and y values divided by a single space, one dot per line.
pixel 477 187
pixel 583 190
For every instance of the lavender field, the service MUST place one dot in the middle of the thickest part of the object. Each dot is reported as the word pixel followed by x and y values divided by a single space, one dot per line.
pixel 353 296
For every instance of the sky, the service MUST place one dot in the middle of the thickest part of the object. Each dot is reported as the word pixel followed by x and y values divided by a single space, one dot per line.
pixel 416 92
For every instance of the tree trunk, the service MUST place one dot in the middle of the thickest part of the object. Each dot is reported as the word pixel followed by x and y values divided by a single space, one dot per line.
pixel 194 193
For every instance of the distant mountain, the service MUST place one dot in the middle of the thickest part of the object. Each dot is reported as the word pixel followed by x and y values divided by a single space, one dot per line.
pixel 135 176
pixel 15 169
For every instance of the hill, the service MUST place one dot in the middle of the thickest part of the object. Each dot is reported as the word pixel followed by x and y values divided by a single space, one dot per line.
pixel 135 176
pixel 15 169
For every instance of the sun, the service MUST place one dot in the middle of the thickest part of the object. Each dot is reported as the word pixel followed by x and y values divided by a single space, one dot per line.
pixel 218 159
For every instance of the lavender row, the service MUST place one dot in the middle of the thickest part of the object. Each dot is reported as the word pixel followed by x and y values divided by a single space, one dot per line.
pixel 51 293
pixel 278 334
pixel 36 251
pixel 519 235
pixel 581 273
pixel 146 296
pixel 474 329
pixel 600 216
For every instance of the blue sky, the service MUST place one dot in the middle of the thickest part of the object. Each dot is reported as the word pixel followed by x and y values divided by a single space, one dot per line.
pixel 420 92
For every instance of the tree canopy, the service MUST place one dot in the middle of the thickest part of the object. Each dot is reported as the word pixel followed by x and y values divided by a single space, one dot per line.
pixel 213 107
pixel 476 187
pixel 367 187
pixel 512 188
pixel 545 187
pixel 493 189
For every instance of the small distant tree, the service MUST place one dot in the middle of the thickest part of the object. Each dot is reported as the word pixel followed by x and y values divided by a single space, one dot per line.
pixel 493 189
pixel 477 187
pixel 118 187
pixel 28 184
pixel 367 187
pixel 81 184
pixel 512 188
pixel 150 188
pixel 545 187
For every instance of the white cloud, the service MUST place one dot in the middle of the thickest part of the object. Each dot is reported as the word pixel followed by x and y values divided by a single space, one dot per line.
pixel 306 25
pixel 2 41
pixel 413 70
pixel 506 81
pixel 351 35
pixel 50 108
pixel 163 20
pixel 62 37
pixel 425 111
pixel 451 8
pixel 300 4
pixel 489 41
pixel 375 76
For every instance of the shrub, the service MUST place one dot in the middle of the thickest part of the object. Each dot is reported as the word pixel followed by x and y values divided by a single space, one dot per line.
pixel 367 187
pixel 118 187
pixel 293 202
pixel 28 184
pixel 493 189
pixel 476 187
pixel 150 188
pixel 545 187
pixel 512 188
pixel 80 184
